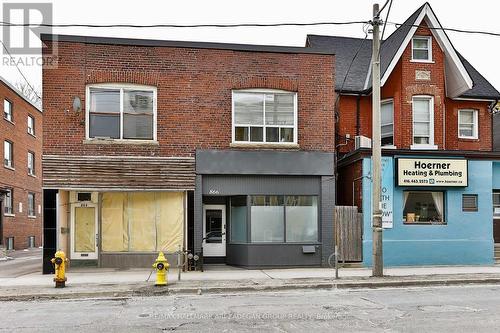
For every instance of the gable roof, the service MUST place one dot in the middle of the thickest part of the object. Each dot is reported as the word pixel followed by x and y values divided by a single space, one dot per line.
pixel 463 80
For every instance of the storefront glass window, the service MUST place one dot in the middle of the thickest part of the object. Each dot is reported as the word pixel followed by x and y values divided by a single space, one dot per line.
pixel 267 219
pixel 496 204
pixel 301 218
pixel 423 207
pixel 238 225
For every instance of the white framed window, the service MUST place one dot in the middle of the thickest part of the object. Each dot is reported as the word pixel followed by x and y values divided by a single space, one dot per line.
pixel 387 122
pixel 423 122
pixel 264 116
pixel 7 110
pixel 496 204
pixel 121 112
pixel 31 125
pixel 423 207
pixel 8 206
pixel 8 154
pixel 468 124
pixel 421 48
pixel 31 205
pixel 31 163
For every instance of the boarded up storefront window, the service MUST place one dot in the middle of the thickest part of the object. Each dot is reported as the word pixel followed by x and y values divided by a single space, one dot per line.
pixel 142 221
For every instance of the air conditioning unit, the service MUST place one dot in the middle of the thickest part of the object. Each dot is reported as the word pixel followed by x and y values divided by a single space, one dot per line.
pixel 361 141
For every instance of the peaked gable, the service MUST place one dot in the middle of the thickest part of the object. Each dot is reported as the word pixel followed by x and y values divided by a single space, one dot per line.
pixel 458 80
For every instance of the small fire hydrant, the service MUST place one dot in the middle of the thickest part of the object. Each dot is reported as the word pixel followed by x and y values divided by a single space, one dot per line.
pixel 59 262
pixel 161 264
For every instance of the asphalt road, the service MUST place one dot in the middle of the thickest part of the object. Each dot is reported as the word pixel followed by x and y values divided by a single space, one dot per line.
pixel 451 309
pixel 24 262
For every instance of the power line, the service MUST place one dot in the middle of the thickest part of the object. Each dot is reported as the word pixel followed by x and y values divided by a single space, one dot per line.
pixel 235 25
pixel 386 18
pixel 20 71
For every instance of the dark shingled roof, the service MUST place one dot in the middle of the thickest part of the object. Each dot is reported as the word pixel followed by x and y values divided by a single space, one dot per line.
pixel 345 48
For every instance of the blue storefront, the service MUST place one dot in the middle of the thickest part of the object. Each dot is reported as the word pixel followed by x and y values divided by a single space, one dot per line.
pixel 431 224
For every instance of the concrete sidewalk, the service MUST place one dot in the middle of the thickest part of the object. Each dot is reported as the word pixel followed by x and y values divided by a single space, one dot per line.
pixel 92 282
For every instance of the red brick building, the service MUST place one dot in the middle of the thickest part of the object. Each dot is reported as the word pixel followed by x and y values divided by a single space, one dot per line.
pixel 179 129
pixel 436 107
pixel 21 171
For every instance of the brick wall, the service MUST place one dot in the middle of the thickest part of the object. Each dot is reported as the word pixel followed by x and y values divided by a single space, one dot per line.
pixel 20 226
pixel 401 86
pixel 194 94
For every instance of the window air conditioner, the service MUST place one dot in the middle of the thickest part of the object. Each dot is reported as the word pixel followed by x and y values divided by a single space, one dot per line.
pixel 361 141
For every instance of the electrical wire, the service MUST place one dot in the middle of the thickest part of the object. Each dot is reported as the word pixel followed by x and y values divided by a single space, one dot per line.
pixel 235 25
pixel 21 72
pixel 385 22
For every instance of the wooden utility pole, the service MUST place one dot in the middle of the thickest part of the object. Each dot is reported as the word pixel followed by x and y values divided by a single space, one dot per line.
pixel 378 265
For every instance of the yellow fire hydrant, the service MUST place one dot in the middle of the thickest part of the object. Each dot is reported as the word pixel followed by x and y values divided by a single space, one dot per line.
pixel 161 264
pixel 59 262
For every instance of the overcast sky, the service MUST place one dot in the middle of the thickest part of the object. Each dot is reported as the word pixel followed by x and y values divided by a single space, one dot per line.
pixel 481 51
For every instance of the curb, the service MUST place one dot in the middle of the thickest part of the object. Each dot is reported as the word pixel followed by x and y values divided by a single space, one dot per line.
pixel 149 291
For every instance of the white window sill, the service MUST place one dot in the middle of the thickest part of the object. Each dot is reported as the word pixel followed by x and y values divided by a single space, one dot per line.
pixel 9 121
pixel 120 142
pixel 33 135
pixel 31 216
pixel 32 175
pixel 389 147
pixel 424 147
pixel 9 215
pixel 9 167
pixel 468 137
pixel 423 61
pixel 263 145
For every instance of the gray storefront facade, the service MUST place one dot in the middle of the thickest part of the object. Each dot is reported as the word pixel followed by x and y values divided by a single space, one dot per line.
pixel 264 208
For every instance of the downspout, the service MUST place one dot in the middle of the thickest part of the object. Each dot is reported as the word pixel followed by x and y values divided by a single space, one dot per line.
pixel 492 123
pixel 358 111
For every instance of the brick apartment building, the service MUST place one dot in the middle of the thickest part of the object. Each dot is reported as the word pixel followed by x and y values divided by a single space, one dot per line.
pixel 21 171
pixel 436 108
pixel 156 145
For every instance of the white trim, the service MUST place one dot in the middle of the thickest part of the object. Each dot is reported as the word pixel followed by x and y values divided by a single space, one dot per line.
pixel 429 49
pixel 121 86
pixel 475 124
pixel 443 42
pixel 388 101
pixel 473 99
pixel 87 255
pixel 264 126
pixel 430 145
pixel 215 250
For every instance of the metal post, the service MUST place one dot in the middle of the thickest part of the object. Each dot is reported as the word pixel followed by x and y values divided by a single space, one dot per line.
pixel 179 263
pixel 336 262
pixel 378 265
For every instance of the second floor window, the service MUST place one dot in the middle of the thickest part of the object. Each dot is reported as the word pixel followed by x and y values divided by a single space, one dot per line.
pixel 467 124
pixel 423 120
pixel 122 112
pixel 31 204
pixel 9 203
pixel 264 117
pixel 421 48
pixel 496 204
pixel 387 122
pixel 8 154
pixel 31 125
pixel 31 163
pixel 7 110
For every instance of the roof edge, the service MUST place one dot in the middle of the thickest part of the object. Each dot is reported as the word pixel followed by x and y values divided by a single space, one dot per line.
pixel 19 93
pixel 182 44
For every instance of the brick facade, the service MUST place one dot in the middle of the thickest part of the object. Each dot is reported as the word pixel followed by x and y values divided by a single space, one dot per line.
pixel 194 94
pixel 19 225
pixel 401 86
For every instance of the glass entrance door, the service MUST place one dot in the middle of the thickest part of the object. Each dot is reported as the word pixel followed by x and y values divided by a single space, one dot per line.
pixel 84 231
pixel 214 230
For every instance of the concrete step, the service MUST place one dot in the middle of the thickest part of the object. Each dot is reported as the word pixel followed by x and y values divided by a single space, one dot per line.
pixel 351 265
